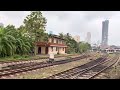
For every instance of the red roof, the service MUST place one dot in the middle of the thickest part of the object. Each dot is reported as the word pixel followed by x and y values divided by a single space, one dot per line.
pixel 50 44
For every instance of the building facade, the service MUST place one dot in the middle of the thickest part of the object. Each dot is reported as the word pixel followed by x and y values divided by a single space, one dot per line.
pixel 54 45
pixel 88 38
pixel 104 42
pixel 77 38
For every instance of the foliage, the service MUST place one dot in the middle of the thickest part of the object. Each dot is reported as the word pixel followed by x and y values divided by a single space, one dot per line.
pixel 73 46
pixel 7 43
pixel 13 41
pixel 21 41
pixel 35 25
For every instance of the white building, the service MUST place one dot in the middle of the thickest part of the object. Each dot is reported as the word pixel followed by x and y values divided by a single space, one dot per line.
pixel 77 38
pixel 88 38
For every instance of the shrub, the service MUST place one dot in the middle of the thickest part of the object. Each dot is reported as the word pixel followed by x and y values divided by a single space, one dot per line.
pixel 26 56
pixel 16 56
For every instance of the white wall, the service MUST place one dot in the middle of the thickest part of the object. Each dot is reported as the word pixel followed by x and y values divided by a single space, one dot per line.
pixel 36 49
pixel 42 50
pixel 54 50
pixel 55 40
pixel 50 40
pixel 61 50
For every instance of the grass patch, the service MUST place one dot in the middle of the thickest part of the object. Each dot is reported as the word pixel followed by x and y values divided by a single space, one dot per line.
pixel 15 58
pixel 28 57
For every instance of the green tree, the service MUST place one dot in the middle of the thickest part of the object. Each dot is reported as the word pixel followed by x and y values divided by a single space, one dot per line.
pixel 23 43
pixel 35 24
pixel 73 46
pixel 13 41
pixel 7 47
pixel 11 30
pixel 84 47
pixel 61 35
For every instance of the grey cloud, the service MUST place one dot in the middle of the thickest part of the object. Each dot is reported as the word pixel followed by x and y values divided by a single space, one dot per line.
pixel 62 15
pixel 13 14
pixel 81 22
pixel 90 15
pixel 74 22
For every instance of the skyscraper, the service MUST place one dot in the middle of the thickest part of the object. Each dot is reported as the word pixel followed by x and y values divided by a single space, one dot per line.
pixel 105 33
pixel 88 38
pixel 1 24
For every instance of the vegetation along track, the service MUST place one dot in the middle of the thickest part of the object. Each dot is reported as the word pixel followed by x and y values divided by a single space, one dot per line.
pixel 86 71
pixel 28 62
pixel 33 66
pixel 20 61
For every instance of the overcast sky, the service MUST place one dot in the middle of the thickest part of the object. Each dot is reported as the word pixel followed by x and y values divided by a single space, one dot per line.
pixel 74 22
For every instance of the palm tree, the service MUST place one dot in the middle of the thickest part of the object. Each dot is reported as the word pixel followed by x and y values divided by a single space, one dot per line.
pixel 23 43
pixel 7 47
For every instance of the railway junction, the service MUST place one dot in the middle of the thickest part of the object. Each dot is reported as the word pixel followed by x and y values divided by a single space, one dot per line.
pixel 84 66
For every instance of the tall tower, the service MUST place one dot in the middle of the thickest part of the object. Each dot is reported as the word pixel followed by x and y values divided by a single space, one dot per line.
pixel 88 38
pixel 105 33
pixel 1 24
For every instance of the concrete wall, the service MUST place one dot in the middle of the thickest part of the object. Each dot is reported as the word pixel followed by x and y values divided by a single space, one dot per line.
pixel 36 50
pixel 50 40
pixel 55 41
pixel 54 50
pixel 42 50
pixel 60 42
pixel 61 50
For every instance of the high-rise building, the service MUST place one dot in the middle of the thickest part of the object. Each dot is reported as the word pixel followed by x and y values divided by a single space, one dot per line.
pixel 104 42
pixel 88 38
pixel 77 38
pixel 1 24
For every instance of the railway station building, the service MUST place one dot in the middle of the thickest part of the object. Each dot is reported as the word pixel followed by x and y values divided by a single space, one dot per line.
pixel 55 45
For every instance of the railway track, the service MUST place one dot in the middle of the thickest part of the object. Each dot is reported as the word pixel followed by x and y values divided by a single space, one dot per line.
pixel 35 63
pixel 86 71
pixel 5 64
pixel 97 69
pixel 34 66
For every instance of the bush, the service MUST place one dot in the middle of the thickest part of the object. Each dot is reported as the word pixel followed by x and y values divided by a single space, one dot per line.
pixel 16 56
pixel 26 56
